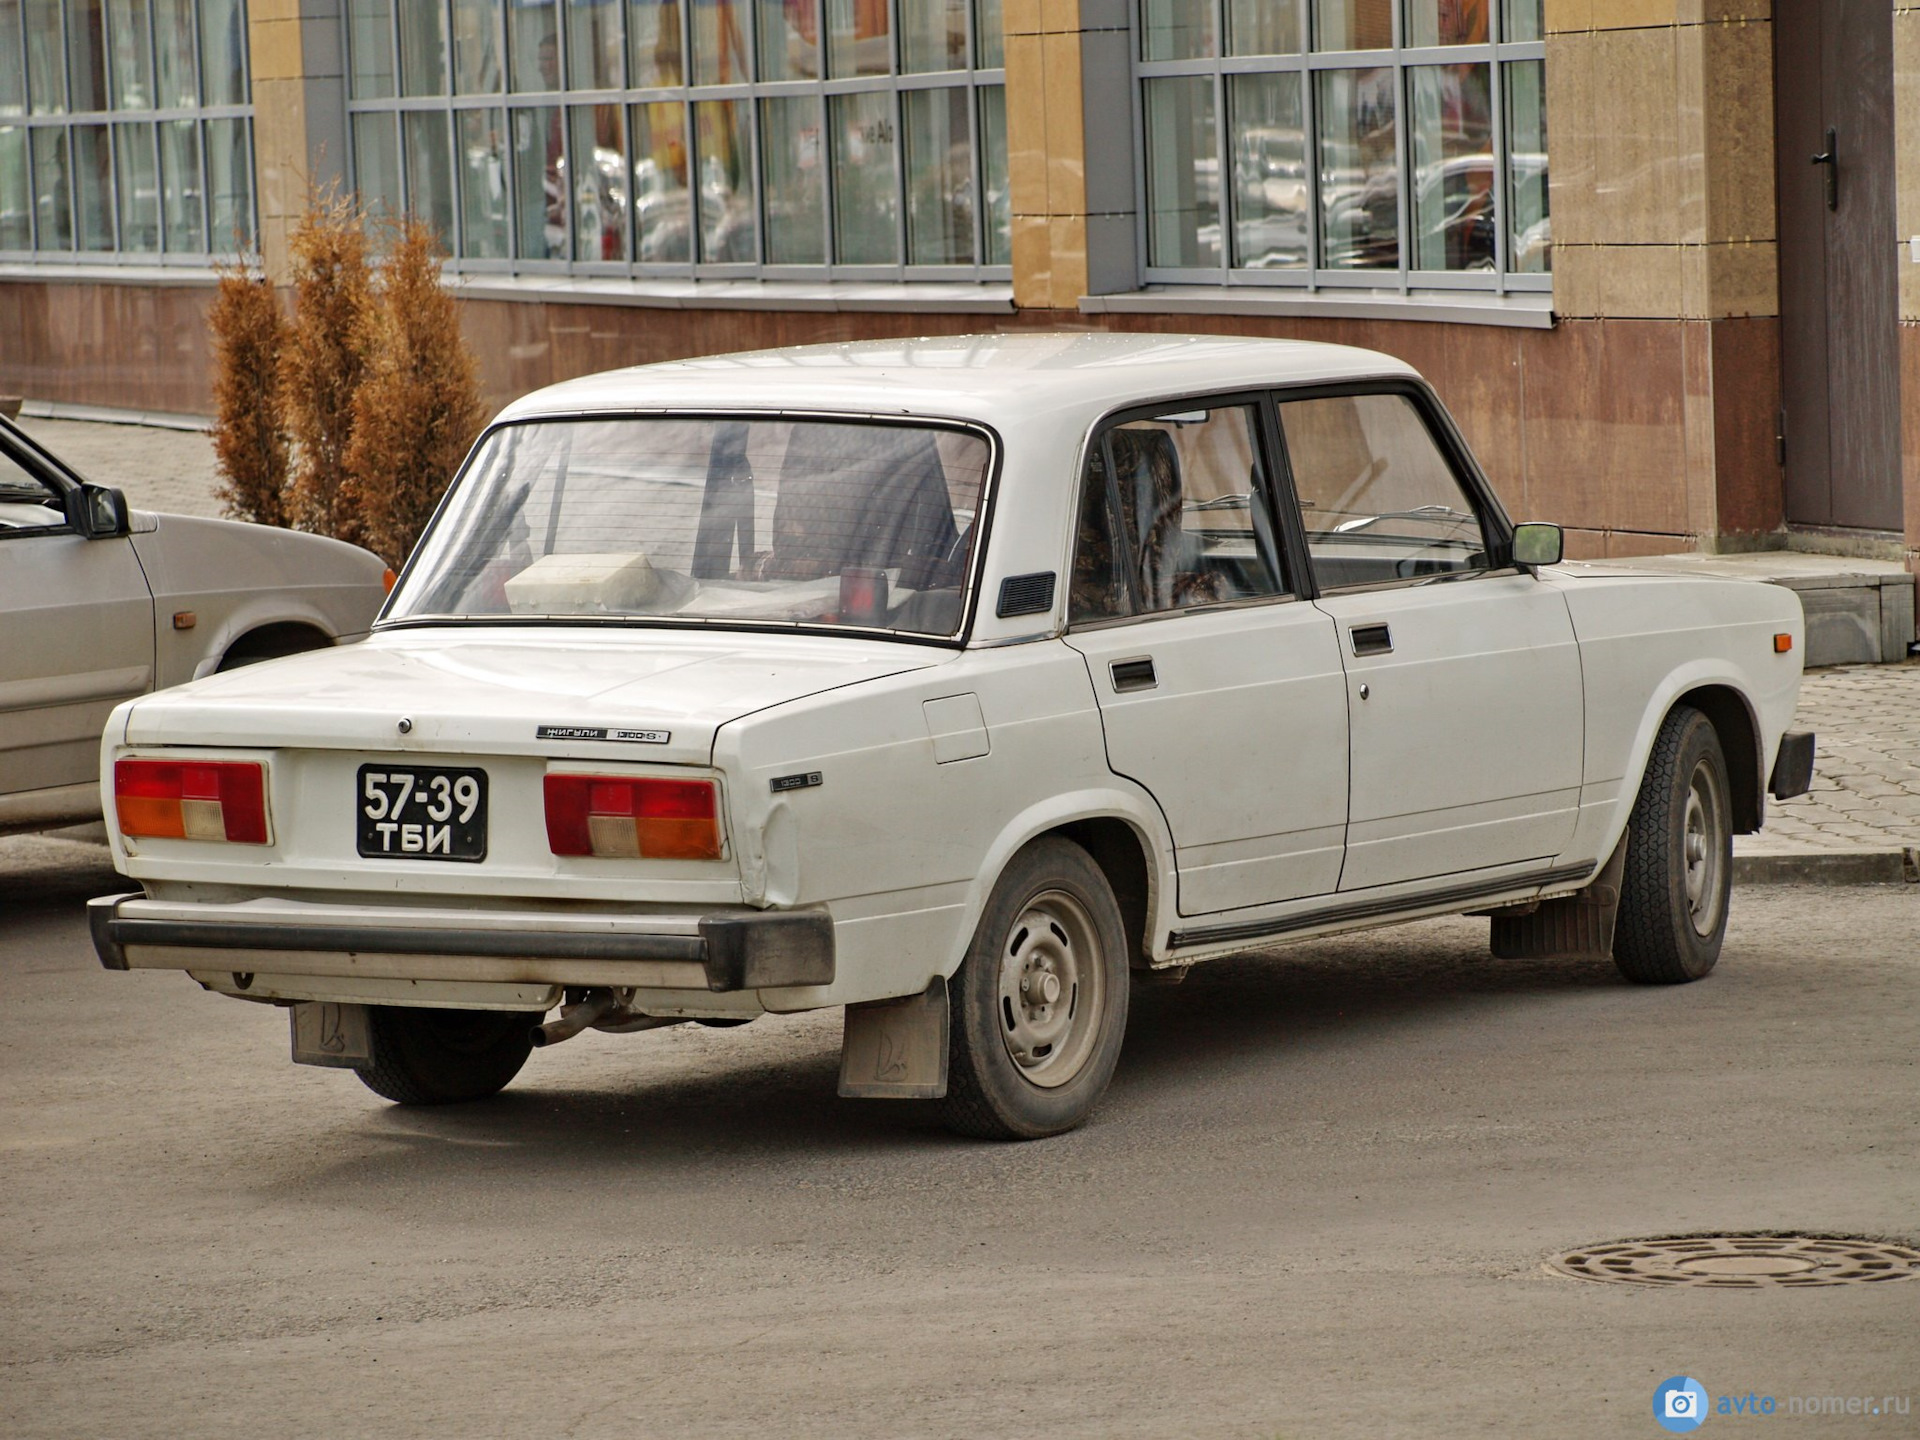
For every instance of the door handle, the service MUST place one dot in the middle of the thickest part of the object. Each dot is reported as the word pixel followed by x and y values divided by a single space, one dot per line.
pixel 1830 157
pixel 1135 674
pixel 1371 640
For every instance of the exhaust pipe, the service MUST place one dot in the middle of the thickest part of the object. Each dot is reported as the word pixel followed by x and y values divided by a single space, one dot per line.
pixel 598 1009
pixel 574 1018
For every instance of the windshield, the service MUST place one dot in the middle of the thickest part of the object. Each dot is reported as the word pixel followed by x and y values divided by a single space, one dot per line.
pixel 713 520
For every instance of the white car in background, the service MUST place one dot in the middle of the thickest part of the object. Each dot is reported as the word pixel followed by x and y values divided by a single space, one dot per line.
pixel 958 682
pixel 99 603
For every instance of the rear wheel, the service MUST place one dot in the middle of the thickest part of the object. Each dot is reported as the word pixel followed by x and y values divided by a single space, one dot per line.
pixel 1039 1006
pixel 440 1057
pixel 1679 871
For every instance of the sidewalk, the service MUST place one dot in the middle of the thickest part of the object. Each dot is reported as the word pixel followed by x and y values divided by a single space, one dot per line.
pixel 1860 823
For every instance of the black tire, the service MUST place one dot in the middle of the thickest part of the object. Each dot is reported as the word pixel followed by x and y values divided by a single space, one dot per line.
pixel 1679 873
pixel 1052 913
pixel 441 1057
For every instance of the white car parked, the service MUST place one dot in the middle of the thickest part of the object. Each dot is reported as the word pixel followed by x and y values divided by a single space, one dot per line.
pixel 958 682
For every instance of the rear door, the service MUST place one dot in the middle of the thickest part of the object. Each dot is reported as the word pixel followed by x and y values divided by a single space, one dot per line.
pixel 1220 690
pixel 76 633
pixel 1463 674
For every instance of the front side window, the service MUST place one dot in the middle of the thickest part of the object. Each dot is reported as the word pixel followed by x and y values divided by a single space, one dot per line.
pixel 806 138
pixel 1378 500
pixel 26 501
pixel 1325 143
pixel 713 521
pixel 1173 515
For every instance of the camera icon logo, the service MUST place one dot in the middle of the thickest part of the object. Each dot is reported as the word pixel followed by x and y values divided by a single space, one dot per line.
pixel 1680 1404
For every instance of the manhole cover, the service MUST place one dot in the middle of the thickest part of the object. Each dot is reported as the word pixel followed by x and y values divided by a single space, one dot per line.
pixel 1743 1262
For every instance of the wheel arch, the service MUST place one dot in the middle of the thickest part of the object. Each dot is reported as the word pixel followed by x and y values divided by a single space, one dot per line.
pixel 1738 727
pixel 272 639
pixel 1127 839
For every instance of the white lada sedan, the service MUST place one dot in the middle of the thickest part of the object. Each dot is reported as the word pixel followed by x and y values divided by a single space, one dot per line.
pixel 960 683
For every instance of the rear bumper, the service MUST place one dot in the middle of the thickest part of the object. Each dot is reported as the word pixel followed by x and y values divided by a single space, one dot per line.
pixel 1792 766
pixel 721 953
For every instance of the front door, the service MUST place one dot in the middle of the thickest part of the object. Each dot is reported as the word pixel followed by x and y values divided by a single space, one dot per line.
pixel 1463 679
pixel 1220 692
pixel 1840 376
pixel 76 641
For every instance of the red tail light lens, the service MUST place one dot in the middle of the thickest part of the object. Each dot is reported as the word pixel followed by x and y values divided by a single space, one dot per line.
pixel 203 800
pixel 633 817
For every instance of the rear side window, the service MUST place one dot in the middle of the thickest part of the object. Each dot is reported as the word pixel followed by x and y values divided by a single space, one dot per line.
pixel 1174 515
pixel 1378 500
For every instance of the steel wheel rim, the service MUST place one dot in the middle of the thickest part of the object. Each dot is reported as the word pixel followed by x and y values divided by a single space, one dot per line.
pixel 1703 848
pixel 1051 993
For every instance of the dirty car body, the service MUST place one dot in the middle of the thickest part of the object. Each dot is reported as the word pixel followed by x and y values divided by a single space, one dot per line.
pixel 963 683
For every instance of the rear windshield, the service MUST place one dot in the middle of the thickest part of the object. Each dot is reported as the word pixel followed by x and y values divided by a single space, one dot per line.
pixel 869 526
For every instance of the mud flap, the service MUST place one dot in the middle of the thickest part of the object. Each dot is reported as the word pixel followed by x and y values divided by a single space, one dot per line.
pixel 897 1049
pixel 329 1034
pixel 1574 927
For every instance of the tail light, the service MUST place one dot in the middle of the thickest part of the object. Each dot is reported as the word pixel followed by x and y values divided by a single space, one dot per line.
pixel 192 800
pixel 633 817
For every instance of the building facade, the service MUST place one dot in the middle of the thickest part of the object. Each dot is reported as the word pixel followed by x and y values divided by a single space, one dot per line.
pixel 1660 257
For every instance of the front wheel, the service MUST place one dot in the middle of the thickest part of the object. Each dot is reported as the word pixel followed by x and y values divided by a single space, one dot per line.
pixel 1679 871
pixel 440 1057
pixel 1039 1006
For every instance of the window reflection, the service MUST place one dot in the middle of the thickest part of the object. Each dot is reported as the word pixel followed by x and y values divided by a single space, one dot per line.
pixel 1529 231
pixel 483 184
pixel 138 185
pixel 539 201
pixel 792 156
pixel 859 40
pixel 1352 24
pixel 726 185
pixel 1450 130
pixel 866 214
pixel 92 188
pixel 1270 183
pixel 720 42
pixel 180 186
pixel 1183 173
pixel 599 183
pixel 940 164
pixel 1359 171
pixel 789 39
pixel 1447 22
pixel 663 213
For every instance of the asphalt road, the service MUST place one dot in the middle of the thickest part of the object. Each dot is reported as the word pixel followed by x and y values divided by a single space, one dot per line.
pixel 1315 1203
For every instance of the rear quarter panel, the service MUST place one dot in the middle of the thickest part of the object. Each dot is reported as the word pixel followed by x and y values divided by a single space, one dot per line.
pixel 1647 640
pixel 901 848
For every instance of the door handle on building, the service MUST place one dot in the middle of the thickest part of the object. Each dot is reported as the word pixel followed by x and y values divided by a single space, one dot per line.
pixel 1830 157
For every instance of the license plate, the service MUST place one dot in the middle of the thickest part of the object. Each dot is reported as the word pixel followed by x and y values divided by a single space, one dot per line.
pixel 422 812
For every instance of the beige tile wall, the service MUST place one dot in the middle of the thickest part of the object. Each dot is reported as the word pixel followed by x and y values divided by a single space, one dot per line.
pixel 1660 116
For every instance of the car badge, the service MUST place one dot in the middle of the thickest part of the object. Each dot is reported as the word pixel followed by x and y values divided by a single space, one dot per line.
pixel 600 732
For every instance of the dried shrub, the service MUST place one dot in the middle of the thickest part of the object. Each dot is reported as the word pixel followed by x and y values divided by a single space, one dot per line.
pixel 249 433
pixel 324 361
pixel 418 407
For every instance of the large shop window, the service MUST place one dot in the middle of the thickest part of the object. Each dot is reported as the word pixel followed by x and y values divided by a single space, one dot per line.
pixel 125 131
pixel 800 139
pixel 1323 143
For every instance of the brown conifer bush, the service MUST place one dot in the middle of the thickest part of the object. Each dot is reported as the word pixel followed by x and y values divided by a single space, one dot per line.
pixel 418 406
pixel 249 433
pixel 323 362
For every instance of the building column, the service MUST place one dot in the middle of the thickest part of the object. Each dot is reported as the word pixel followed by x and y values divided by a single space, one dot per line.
pixel 1069 77
pixel 299 114
pixel 1661 131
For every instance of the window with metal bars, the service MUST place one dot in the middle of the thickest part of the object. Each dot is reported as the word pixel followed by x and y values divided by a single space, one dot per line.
pixel 125 131
pixel 801 139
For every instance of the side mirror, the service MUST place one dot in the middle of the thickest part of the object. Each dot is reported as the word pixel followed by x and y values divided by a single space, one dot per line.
pixel 97 513
pixel 1537 543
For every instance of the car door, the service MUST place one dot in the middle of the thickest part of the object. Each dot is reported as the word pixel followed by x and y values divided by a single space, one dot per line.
pixel 76 634
pixel 1220 691
pixel 1463 672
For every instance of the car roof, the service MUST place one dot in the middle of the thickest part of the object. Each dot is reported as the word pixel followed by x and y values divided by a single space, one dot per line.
pixel 998 379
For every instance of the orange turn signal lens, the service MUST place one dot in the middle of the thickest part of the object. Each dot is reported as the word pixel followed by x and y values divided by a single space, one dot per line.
pixel 387 580
pixel 632 817
pixel 1782 644
pixel 208 800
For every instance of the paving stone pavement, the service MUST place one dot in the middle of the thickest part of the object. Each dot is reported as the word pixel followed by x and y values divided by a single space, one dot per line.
pixel 1861 820
pixel 170 470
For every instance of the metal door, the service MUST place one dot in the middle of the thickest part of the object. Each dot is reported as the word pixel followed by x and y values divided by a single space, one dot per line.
pixel 1840 380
